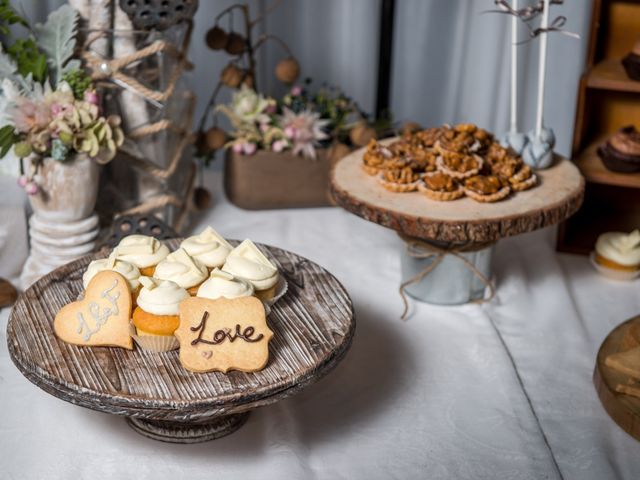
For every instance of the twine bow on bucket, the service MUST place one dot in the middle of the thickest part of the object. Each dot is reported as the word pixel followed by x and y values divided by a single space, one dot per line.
pixel 420 249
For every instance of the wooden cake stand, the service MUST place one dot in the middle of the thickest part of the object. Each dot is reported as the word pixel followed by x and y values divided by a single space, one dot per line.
pixel 313 326
pixel 623 409
pixel 463 225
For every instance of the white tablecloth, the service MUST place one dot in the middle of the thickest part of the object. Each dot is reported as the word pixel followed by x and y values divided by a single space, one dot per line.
pixel 501 390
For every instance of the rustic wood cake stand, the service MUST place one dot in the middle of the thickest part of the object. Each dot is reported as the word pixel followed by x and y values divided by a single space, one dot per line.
pixel 557 196
pixel 313 327
pixel 623 409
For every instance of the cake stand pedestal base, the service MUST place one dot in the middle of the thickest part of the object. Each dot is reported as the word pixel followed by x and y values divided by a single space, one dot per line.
pixel 452 281
pixel 178 432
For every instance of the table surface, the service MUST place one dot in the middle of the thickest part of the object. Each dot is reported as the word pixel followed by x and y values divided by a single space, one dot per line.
pixel 500 390
pixel 557 196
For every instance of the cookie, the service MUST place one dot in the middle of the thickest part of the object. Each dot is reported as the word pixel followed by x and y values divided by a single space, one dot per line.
pixel 223 334
pixel 101 318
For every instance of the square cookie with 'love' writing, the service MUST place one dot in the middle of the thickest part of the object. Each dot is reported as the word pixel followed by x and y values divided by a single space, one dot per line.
pixel 101 318
pixel 223 334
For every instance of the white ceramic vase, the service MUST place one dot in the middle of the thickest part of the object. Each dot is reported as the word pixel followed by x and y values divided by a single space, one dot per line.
pixel 63 226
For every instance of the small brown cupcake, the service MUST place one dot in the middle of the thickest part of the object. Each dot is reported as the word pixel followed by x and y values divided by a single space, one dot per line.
pixel 440 186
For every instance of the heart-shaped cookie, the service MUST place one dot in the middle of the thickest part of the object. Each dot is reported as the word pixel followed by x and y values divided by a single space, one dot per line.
pixel 223 334
pixel 102 317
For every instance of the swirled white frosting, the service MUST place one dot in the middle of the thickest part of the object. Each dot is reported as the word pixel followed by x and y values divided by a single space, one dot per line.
pixel 620 247
pixel 141 250
pixel 181 268
pixel 160 297
pixel 126 269
pixel 208 247
pixel 248 262
pixel 223 284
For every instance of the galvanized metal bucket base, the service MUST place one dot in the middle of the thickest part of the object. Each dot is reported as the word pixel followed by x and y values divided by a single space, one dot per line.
pixel 452 282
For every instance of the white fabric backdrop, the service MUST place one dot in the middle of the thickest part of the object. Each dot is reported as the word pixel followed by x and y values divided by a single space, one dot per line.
pixel 454 392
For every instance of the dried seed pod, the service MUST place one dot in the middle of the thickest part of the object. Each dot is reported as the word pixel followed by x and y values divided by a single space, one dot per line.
pixel 337 151
pixel 158 14
pixel 231 76
pixel 287 70
pixel 215 138
pixel 201 198
pixel 216 38
pixel 361 134
pixel 236 44
pixel 410 127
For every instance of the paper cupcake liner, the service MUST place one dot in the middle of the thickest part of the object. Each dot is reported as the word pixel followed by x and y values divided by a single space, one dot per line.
pixel 281 288
pixel 155 343
pixel 612 272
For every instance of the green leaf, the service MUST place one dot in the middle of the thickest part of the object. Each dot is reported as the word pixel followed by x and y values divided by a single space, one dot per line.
pixel 57 39
pixel 7 139
pixel 29 59
pixel 8 16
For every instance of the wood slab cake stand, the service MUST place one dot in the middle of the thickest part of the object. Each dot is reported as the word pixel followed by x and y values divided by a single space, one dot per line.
pixel 623 409
pixel 313 326
pixel 448 225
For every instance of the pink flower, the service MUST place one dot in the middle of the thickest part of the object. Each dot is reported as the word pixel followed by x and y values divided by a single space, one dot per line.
pixel 91 97
pixel 264 127
pixel 22 180
pixel 56 109
pixel 278 146
pixel 290 132
pixel 237 147
pixel 296 90
pixel 31 188
pixel 249 148
pixel 29 115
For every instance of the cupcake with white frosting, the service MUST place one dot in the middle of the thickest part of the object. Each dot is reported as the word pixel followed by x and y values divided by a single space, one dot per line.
pixel 619 251
pixel 128 270
pixel 157 315
pixel 181 268
pixel 223 284
pixel 246 261
pixel 208 247
pixel 143 251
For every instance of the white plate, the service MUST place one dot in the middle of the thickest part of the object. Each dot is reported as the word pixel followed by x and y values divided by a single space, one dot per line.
pixel 612 272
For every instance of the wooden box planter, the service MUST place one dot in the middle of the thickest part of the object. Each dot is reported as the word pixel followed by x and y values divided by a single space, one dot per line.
pixel 267 180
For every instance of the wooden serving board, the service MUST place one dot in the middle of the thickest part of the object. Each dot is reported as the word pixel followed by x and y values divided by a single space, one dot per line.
pixel 557 196
pixel 313 327
pixel 623 409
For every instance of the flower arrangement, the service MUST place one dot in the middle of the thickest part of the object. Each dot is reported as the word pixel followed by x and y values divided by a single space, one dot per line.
pixel 301 121
pixel 48 105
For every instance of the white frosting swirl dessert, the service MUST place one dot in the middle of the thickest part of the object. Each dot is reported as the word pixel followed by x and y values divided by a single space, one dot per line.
pixel 619 250
pixel 128 270
pixel 143 251
pixel 246 261
pixel 181 268
pixel 208 247
pixel 160 297
pixel 223 284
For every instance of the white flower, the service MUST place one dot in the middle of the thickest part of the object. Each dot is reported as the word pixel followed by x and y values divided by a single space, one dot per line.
pixel 249 106
pixel 305 130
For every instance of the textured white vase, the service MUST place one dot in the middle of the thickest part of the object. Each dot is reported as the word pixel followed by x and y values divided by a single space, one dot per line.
pixel 63 226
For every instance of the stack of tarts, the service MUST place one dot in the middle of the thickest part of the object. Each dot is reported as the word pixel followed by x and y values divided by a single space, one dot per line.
pixel 446 163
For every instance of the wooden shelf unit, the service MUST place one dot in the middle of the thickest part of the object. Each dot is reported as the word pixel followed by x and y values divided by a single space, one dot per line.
pixel 607 101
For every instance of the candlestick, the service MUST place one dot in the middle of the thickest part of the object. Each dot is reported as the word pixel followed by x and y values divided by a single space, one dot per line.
pixel 514 70
pixel 542 64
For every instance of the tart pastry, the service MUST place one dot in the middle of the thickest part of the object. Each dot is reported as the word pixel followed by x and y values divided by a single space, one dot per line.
pixel 181 268
pixel 223 284
pixel 619 251
pixel 246 261
pixel 157 315
pixel 128 270
pixel 208 247
pixel 524 184
pixel 440 186
pixel 375 157
pixel 399 180
pixel 487 188
pixel 459 165
pixel 143 251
